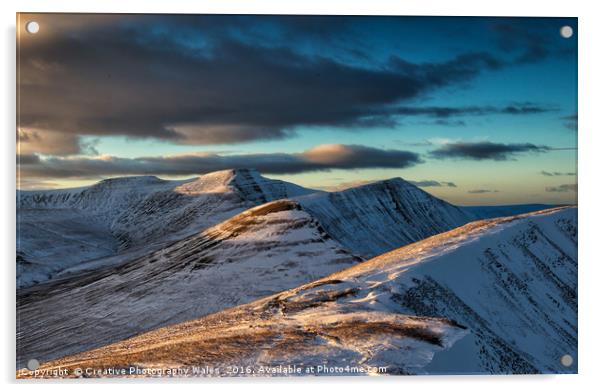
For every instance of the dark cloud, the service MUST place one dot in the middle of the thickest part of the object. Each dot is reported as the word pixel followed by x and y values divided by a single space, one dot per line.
pixel 319 158
pixel 451 123
pixel 484 150
pixel 432 183
pixel 445 112
pixel 444 115
pixel 571 122
pixel 525 109
pixel 27 159
pixel 562 188
pixel 48 142
pixel 478 191
pixel 213 80
pixel 551 174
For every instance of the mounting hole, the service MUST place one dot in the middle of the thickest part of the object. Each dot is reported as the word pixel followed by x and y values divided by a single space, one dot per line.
pixel 566 31
pixel 32 27
pixel 33 364
pixel 566 360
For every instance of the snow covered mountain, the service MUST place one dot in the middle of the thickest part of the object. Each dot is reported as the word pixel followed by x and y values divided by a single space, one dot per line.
pixel 494 296
pixel 121 218
pixel 89 227
pixel 261 251
pixel 381 216
pixel 58 229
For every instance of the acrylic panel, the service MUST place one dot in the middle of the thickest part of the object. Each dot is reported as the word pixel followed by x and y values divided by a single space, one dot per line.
pixel 281 195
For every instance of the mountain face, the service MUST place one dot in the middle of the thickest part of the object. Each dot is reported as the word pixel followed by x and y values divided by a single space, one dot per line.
pixel 382 216
pixel 58 229
pixel 494 296
pixel 261 251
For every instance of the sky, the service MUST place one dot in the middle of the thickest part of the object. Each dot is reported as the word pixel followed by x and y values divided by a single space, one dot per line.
pixel 477 111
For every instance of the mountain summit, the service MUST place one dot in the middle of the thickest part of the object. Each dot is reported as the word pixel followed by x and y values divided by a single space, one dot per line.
pixel 381 216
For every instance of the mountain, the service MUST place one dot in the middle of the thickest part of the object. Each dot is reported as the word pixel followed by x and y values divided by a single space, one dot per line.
pixel 59 229
pixel 261 251
pixel 493 296
pixel 119 219
pixel 352 220
pixel 381 216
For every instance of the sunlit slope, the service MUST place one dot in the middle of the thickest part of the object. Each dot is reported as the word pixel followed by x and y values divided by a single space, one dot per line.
pixel 261 251
pixel 496 296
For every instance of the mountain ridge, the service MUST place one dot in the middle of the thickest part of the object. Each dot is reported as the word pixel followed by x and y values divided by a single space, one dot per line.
pixel 263 250
pixel 409 214
pixel 503 289
pixel 128 213
pixel 118 219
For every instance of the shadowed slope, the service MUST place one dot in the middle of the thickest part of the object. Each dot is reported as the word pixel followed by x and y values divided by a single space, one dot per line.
pixel 381 216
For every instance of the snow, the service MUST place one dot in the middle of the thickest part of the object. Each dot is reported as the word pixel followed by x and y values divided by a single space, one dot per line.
pixel 124 215
pixel 259 252
pixel 134 254
pixel 512 281
pixel 497 295
pixel 381 216
pixel 121 218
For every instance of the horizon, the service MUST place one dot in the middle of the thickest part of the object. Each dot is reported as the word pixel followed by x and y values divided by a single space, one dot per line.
pixel 482 114
pixel 317 189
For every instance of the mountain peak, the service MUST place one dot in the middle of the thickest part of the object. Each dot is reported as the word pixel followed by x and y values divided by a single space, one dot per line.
pixel 217 181
pixel 395 181
pixel 395 185
pixel 244 171
pixel 228 174
pixel 395 203
pixel 129 181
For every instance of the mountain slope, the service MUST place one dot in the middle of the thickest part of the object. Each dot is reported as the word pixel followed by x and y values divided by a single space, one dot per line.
pixel 495 296
pixel 58 229
pixel 261 251
pixel 381 216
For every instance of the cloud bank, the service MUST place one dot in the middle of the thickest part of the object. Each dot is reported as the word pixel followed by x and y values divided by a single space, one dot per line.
pixel 562 188
pixel 480 191
pixel 433 183
pixel 485 150
pixel 555 174
pixel 320 158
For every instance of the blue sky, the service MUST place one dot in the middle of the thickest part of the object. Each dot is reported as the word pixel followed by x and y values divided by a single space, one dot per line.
pixel 485 107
